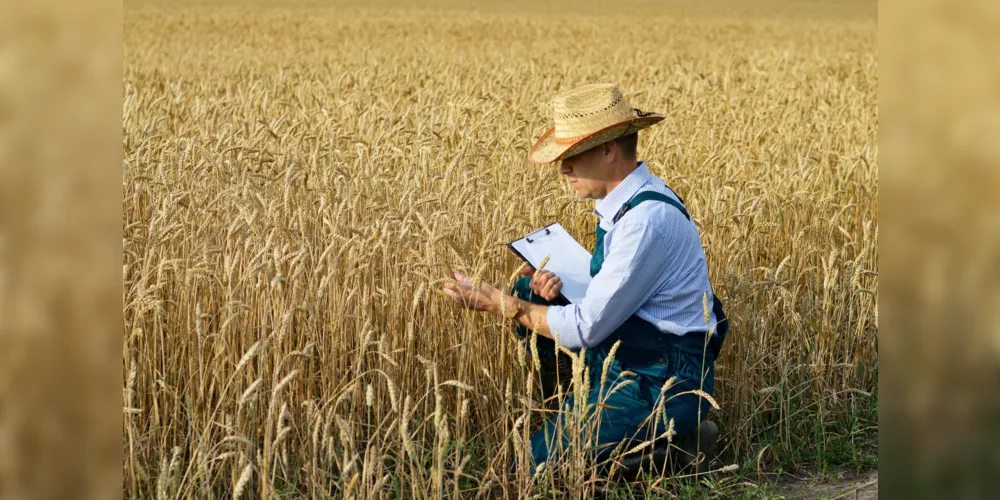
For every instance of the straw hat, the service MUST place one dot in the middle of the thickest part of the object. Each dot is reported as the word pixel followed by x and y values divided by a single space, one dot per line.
pixel 586 117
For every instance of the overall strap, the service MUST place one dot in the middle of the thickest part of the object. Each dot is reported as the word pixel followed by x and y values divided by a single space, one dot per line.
pixel 597 259
pixel 646 196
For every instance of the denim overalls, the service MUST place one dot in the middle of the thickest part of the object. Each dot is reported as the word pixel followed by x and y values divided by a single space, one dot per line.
pixel 653 356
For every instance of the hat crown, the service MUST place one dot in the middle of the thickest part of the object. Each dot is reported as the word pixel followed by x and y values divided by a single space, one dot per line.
pixel 587 109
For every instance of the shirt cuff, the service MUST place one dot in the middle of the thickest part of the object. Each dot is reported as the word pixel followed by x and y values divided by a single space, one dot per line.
pixel 562 324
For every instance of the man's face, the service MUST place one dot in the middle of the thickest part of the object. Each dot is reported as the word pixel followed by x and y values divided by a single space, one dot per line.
pixel 589 172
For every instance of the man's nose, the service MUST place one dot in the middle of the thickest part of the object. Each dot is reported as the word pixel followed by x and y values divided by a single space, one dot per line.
pixel 564 168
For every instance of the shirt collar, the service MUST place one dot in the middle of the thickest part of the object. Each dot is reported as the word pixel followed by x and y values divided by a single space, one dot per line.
pixel 607 207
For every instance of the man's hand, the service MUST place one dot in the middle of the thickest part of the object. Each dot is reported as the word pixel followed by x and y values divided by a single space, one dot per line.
pixel 544 283
pixel 484 298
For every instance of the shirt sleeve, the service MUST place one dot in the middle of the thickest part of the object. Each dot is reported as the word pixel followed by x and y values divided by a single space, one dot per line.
pixel 636 260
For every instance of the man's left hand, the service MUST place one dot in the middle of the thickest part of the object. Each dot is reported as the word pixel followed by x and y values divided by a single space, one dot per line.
pixel 484 298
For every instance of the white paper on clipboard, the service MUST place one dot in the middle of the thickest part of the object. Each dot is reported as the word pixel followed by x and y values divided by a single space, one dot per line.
pixel 567 258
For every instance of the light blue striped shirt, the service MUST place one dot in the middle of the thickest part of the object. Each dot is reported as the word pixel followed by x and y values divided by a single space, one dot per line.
pixel 654 267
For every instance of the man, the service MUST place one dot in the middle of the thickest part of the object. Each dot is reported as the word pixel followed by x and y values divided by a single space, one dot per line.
pixel 650 288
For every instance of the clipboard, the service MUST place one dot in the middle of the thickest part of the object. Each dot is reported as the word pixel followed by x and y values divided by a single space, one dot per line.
pixel 567 259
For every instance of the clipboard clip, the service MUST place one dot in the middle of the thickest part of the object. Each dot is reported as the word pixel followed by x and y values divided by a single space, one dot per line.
pixel 531 240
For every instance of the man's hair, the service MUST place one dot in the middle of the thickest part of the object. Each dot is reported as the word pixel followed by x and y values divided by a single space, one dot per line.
pixel 628 143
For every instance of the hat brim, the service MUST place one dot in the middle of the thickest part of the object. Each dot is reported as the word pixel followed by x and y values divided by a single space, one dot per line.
pixel 547 150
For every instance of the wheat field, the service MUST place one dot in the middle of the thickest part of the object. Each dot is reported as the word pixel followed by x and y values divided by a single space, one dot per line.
pixel 300 179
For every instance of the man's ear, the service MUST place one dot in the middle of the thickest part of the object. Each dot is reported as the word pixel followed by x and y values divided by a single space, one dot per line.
pixel 609 149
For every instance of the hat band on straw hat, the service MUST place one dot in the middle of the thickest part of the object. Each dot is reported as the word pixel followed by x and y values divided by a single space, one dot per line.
pixel 636 113
pixel 569 140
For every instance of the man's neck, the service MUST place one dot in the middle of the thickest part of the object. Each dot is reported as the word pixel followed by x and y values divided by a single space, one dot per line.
pixel 623 173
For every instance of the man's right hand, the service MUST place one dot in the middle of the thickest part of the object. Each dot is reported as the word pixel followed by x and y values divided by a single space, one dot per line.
pixel 543 283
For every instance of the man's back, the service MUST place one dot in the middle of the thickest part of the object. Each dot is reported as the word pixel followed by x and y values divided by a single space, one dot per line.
pixel 650 264
pixel 676 302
